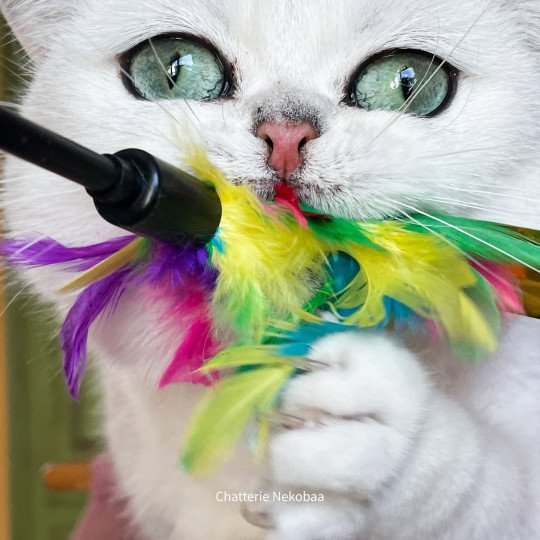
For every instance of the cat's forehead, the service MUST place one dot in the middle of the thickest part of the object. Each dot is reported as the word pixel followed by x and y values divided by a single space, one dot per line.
pixel 278 29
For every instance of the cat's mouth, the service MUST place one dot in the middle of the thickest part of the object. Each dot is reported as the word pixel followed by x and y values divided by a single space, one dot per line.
pixel 286 196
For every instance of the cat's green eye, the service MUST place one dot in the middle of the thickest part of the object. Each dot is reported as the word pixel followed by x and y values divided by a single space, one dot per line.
pixel 174 68
pixel 410 81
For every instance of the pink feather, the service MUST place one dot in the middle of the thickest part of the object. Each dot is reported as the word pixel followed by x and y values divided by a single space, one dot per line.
pixel 504 284
pixel 197 346
pixel 188 311
pixel 287 198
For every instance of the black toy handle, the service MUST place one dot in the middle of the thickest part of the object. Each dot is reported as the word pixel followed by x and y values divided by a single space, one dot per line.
pixel 131 189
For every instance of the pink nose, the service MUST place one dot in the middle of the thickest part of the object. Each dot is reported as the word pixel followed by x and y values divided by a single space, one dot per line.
pixel 285 141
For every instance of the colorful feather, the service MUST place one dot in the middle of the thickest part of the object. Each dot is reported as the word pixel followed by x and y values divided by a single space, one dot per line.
pixel 197 346
pixel 482 239
pixel 504 285
pixel 265 264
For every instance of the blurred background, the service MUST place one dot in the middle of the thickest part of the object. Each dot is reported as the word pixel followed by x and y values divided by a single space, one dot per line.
pixel 46 439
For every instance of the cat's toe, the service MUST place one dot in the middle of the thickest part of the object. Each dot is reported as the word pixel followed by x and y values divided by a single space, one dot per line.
pixel 359 377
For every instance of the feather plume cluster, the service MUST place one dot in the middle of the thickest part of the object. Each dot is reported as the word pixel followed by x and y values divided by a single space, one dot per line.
pixel 256 296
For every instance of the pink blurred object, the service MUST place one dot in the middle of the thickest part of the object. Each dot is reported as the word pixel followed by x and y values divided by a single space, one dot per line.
pixel 106 516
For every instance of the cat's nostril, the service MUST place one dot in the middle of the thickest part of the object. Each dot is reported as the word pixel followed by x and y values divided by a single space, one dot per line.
pixel 285 141
pixel 269 142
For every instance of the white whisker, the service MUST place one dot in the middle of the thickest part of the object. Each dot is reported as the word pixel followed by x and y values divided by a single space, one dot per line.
pixel 163 108
pixel 460 112
pixel 486 192
pixel 9 104
pixel 8 305
pixel 508 188
pixel 462 151
pixel 468 256
pixel 170 79
pixel 472 205
pixel 466 233
pixel 29 245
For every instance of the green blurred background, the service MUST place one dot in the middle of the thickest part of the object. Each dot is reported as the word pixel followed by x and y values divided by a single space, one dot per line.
pixel 49 437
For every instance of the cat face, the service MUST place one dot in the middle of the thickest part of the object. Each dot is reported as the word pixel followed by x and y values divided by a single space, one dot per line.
pixel 338 67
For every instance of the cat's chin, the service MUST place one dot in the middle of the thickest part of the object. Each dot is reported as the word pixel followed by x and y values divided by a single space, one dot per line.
pixel 332 203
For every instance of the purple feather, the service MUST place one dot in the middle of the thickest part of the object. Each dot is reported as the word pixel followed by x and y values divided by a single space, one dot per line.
pixel 181 265
pixel 74 333
pixel 47 251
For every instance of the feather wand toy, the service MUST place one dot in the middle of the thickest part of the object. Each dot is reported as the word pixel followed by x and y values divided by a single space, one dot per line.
pixel 258 290
pixel 259 277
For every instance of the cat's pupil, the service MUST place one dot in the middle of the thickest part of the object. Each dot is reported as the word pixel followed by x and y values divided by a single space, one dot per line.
pixel 175 68
pixel 173 71
pixel 407 81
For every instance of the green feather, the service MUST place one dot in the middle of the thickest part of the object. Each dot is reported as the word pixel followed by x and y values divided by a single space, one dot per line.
pixel 222 416
pixel 337 231
pixel 482 239
pixel 243 356
pixel 247 310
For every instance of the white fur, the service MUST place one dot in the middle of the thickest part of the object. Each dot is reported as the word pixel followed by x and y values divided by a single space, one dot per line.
pixel 413 445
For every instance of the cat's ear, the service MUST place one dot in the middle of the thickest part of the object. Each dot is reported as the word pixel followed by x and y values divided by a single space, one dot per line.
pixel 36 22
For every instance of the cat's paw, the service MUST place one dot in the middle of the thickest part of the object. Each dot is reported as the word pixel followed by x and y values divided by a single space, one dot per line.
pixel 343 431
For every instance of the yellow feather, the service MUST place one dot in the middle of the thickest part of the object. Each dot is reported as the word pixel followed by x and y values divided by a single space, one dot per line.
pixel 106 267
pixel 236 357
pixel 266 265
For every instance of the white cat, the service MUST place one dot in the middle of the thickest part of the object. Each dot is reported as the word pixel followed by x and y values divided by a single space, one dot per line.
pixel 413 445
